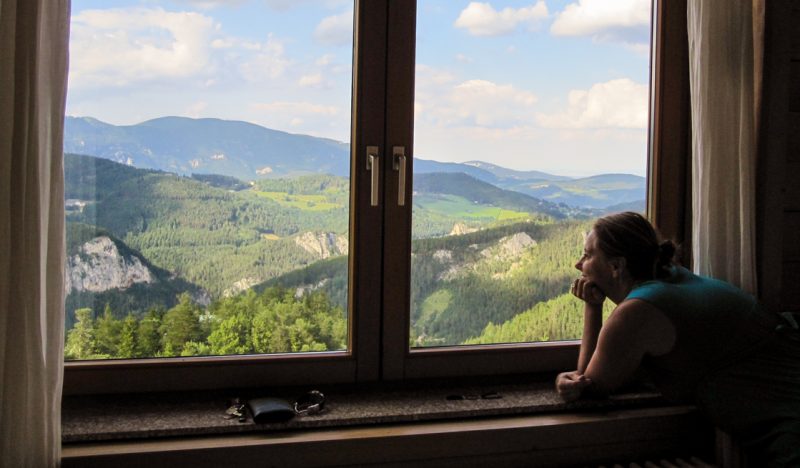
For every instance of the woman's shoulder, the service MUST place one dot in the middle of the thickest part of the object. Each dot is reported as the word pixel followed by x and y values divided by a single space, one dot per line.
pixel 648 322
pixel 651 289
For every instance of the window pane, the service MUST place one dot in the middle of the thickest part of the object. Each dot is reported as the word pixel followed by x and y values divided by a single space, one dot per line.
pixel 530 121
pixel 207 169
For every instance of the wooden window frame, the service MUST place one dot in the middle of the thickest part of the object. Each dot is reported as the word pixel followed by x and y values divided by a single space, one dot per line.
pixel 668 203
pixel 379 264
pixel 361 360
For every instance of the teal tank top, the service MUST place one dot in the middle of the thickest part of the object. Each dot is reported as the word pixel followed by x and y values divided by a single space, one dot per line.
pixel 715 324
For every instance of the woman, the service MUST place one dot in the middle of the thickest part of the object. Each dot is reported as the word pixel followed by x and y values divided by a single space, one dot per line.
pixel 701 340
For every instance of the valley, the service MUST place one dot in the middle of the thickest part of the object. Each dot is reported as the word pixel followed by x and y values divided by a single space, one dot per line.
pixel 183 260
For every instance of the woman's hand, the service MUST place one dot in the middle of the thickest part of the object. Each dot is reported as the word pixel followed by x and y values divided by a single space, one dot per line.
pixel 570 385
pixel 587 291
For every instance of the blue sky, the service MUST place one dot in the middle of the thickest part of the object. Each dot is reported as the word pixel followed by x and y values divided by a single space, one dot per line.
pixel 558 86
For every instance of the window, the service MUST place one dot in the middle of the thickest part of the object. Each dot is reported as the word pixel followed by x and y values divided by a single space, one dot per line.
pixel 536 116
pixel 181 193
pixel 372 248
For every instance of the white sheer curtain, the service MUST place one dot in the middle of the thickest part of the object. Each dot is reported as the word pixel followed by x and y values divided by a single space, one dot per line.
pixel 724 76
pixel 33 70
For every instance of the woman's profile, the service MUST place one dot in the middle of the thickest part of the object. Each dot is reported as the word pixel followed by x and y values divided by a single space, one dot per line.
pixel 701 340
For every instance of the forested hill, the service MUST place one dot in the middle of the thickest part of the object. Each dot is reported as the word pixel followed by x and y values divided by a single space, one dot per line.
pixel 220 239
pixel 223 234
pixel 476 191
pixel 481 255
pixel 462 283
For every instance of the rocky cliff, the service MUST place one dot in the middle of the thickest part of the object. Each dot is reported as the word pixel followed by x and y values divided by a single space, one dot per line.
pixel 99 266
pixel 322 244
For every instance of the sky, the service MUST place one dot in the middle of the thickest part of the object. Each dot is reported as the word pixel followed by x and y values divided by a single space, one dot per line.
pixel 555 86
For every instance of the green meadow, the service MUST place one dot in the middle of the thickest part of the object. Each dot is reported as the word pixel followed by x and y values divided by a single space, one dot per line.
pixel 460 207
pixel 300 201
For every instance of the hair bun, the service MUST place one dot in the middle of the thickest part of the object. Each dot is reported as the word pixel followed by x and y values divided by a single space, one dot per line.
pixel 666 254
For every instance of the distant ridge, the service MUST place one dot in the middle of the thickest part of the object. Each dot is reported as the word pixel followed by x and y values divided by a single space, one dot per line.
pixel 505 173
pixel 598 192
pixel 248 152
pixel 207 146
pixel 477 191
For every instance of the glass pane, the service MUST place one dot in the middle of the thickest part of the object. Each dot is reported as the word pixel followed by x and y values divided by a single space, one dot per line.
pixel 530 121
pixel 207 177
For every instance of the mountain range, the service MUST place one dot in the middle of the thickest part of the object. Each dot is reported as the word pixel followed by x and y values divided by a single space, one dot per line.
pixel 207 146
pixel 213 208
pixel 250 152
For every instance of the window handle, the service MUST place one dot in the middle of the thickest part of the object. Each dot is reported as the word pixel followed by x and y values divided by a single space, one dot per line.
pixel 399 164
pixel 373 166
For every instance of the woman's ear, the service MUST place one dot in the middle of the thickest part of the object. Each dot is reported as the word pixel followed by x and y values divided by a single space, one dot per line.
pixel 618 265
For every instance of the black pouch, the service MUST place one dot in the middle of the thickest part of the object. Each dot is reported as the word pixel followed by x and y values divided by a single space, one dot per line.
pixel 270 410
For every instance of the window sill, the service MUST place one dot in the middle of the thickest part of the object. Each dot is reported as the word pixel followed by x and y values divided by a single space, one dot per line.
pixel 403 426
pixel 125 417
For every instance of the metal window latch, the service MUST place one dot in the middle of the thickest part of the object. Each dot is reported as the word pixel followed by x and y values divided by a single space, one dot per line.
pixel 373 166
pixel 399 165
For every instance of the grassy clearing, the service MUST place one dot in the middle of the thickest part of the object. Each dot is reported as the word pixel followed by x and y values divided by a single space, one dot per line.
pixel 301 202
pixel 460 207
pixel 436 303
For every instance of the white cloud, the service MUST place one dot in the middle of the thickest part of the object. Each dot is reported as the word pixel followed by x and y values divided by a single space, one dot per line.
pixel 283 5
pixel 209 4
pixel 128 47
pixel 620 103
pixel 296 109
pixel 302 117
pixel 442 102
pixel 196 109
pixel 336 29
pixel 427 76
pixel 626 21
pixel 280 4
pixel 578 153
pixel 268 62
pixel 325 60
pixel 490 104
pixel 117 47
pixel 313 80
pixel 223 43
pixel 481 19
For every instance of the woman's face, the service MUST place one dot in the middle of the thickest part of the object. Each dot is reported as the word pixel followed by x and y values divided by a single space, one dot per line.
pixel 594 265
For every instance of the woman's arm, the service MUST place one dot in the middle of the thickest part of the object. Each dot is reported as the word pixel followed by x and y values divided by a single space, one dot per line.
pixel 593 300
pixel 570 385
pixel 592 323
pixel 634 329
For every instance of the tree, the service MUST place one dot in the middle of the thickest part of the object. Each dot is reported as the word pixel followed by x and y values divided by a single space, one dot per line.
pixel 128 337
pixel 181 324
pixel 231 336
pixel 80 339
pixel 107 333
pixel 194 348
pixel 149 338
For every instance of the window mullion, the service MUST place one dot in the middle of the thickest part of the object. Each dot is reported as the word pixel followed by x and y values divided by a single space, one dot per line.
pixel 397 226
pixel 369 89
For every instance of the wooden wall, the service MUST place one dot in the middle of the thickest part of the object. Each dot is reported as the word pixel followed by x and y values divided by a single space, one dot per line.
pixel 790 299
pixel 779 166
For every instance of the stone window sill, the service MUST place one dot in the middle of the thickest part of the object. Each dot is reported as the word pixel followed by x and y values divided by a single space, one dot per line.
pixel 153 416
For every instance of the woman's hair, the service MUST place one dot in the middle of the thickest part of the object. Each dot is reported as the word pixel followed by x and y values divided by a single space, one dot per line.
pixel 631 236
